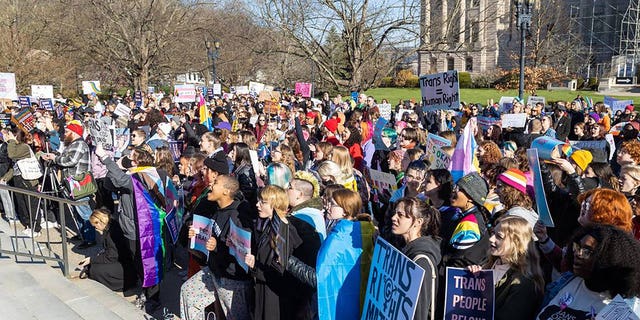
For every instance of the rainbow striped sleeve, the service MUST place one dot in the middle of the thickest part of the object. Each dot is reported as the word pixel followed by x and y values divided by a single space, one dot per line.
pixel 466 234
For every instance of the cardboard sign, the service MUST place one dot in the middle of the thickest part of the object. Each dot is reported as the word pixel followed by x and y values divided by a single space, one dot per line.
pixel 24 101
pixel 385 111
pixel 101 133
pixel 24 119
pixel 545 145
pixel 440 91
pixel 240 243
pixel 620 309
pixel 122 140
pixel 8 90
pixel 514 120
pixel 122 110
pixel 394 284
pixel 269 96
pixel 469 296
pixel 383 180
pixel 203 227
pixel 532 100
pixel 41 91
pixel 538 188
pixel 616 104
pixel 303 89
pixel 46 103
pixel 433 151
pixel 89 87
pixel 184 93
pixel 151 90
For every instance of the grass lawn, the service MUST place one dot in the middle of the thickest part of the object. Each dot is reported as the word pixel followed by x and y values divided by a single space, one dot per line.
pixel 483 95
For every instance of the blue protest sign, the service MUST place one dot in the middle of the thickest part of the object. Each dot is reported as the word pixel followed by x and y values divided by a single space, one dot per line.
pixel 354 96
pixel 210 93
pixel 46 104
pixel 469 296
pixel 137 97
pixel 616 104
pixel 377 134
pixel 394 284
pixel 172 224
pixel 546 146
pixel 24 101
pixel 538 188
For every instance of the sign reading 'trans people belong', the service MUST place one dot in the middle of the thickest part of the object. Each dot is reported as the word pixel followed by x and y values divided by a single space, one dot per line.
pixel 440 91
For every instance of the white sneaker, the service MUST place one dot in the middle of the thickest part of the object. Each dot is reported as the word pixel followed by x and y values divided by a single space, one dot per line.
pixel 27 231
pixel 33 234
pixel 49 225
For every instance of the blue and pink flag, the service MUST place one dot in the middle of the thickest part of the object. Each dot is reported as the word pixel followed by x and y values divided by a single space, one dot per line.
pixel 205 115
pixel 464 160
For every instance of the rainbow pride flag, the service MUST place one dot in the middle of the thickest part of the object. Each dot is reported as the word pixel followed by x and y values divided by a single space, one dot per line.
pixel 205 115
pixel 464 160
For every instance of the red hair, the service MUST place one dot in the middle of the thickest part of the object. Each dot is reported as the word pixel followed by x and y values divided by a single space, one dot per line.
pixel 609 207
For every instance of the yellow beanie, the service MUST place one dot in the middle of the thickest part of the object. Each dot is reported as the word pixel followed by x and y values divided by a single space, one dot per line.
pixel 582 158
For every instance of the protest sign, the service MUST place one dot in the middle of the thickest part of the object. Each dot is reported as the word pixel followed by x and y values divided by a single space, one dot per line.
pixel 440 91
pixel 255 87
pixel 383 180
pixel 217 88
pixel 41 91
pixel 240 243
pixel 46 103
pixel 506 103
pixel 532 100
pixel 620 309
pixel 485 122
pixel 433 151
pixel 385 111
pixel 172 224
pixel 210 94
pixel 5 119
pixel 514 120
pixel 137 97
pixel 255 163
pixel 354 96
pixel 151 90
pixel 269 96
pixel 203 227
pixel 538 188
pixel 122 110
pixel 469 296
pixel 546 146
pixel 100 133
pixel 8 86
pixel 122 138
pixel 242 90
pixel 612 145
pixel 394 284
pixel 89 87
pixel 175 147
pixel 24 101
pixel 401 113
pixel 184 93
pixel 303 89
pixel 377 134
pixel 24 119
pixel 616 104
pixel 594 145
pixel 617 128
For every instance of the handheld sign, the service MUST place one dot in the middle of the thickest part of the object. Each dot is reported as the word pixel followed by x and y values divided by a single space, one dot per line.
pixel 5 119
pixel 8 90
pixel 514 120
pixel 486 122
pixel 122 139
pixel 42 91
pixel 137 97
pixel 217 88
pixel 616 104
pixel 383 180
pixel 46 103
pixel 433 151
pixel 172 224
pixel 469 296
pixel 394 284
pixel 100 133
pixel 203 227
pixel 24 101
pixel 538 188
pixel 303 89
pixel 122 110
pixel 440 91
pixel 546 146
pixel 532 100
pixel 240 243
pixel 89 87
pixel 184 93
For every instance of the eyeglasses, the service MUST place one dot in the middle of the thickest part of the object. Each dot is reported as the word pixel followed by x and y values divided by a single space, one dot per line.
pixel 262 120
pixel 581 252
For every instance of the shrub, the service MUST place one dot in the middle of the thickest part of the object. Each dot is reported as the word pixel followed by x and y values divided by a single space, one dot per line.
pixel 386 82
pixel 413 82
pixel 401 78
pixel 464 78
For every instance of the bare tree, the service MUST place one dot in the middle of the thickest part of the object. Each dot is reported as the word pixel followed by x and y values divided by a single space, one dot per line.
pixel 376 34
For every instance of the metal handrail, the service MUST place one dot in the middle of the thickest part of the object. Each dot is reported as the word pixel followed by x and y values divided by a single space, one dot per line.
pixel 61 203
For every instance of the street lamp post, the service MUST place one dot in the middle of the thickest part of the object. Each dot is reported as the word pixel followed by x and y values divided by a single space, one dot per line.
pixel 213 52
pixel 523 17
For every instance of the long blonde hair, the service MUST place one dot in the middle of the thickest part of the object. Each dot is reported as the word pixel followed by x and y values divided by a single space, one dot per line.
pixel 524 255
pixel 341 156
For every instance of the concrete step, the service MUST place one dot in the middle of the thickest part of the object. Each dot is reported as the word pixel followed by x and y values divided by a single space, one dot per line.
pixel 29 300
pixel 82 303
pixel 113 301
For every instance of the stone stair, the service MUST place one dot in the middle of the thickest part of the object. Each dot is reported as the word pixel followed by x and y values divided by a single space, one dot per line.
pixel 33 289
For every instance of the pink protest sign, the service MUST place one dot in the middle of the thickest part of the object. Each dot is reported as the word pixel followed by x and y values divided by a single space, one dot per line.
pixel 303 89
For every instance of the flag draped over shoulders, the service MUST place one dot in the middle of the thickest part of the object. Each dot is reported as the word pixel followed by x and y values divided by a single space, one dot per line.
pixel 464 159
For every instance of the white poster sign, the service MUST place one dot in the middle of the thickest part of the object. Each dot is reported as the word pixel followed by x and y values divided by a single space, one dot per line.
pixel 8 86
pixel 514 120
pixel 440 91
pixel 184 93
pixel 42 91
pixel 89 87
pixel 255 87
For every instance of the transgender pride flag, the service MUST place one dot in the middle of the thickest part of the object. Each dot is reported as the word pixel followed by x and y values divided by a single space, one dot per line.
pixel 464 160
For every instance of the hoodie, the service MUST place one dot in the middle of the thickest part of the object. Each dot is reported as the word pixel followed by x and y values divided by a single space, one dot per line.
pixel 430 247
pixel 221 262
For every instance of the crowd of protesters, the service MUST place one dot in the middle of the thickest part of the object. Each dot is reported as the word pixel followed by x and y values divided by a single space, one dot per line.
pixel 295 173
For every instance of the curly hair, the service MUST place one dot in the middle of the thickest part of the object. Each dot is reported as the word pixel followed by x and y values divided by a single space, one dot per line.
pixel 632 147
pixel 512 197
pixel 492 153
pixel 417 209
pixel 523 161
pixel 615 260
pixel 524 254
pixel 609 207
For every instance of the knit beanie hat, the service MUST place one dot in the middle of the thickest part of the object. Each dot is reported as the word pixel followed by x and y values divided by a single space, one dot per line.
pixel 75 126
pixel 582 158
pixel 594 116
pixel 514 178
pixel 332 124
pixel 217 163
pixel 475 187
